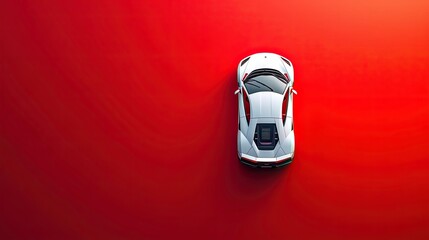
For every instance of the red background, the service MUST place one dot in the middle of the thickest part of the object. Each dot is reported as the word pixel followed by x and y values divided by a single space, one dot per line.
pixel 118 120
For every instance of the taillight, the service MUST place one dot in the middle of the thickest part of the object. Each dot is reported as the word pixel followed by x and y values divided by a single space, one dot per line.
pixel 249 160
pixel 285 105
pixel 246 106
pixel 282 161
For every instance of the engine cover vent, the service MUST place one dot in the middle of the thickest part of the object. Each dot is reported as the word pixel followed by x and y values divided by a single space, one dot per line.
pixel 266 136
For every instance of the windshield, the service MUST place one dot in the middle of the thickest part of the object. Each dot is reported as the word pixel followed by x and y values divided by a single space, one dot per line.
pixel 265 83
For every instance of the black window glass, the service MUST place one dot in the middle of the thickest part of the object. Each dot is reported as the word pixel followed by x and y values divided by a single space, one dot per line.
pixel 265 83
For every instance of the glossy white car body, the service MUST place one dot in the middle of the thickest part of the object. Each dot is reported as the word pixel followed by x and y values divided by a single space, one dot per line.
pixel 265 110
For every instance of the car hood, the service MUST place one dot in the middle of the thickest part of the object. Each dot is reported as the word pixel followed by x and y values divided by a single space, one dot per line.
pixel 265 60
pixel 265 105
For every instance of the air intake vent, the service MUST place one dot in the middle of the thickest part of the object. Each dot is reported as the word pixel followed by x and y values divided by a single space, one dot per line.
pixel 266 136
pixel 244 61
pixel 287 61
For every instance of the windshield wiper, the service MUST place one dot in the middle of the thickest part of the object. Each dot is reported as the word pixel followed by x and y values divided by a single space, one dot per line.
pixel 267 71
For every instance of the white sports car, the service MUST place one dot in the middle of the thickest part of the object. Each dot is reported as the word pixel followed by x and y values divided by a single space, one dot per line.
pixel 265 114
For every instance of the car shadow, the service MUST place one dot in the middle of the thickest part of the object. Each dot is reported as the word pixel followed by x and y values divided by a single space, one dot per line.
pixel 238 182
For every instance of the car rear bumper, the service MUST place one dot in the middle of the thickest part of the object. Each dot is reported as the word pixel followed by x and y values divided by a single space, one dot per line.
pixel 266 164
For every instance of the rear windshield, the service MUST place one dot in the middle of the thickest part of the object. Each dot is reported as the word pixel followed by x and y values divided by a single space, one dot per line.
pixel 265 83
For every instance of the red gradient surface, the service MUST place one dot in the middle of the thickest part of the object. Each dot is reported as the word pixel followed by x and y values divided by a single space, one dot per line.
pixel 118 120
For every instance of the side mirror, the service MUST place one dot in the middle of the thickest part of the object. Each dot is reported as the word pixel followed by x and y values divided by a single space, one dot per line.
pixel 237 91
pixel 294 92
